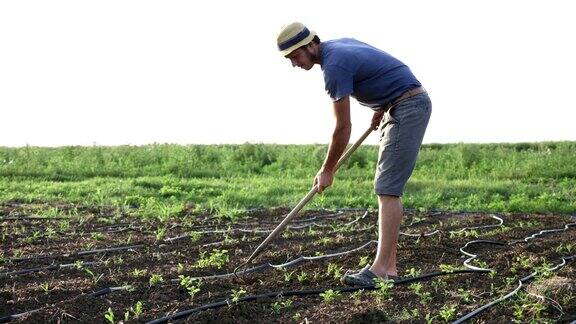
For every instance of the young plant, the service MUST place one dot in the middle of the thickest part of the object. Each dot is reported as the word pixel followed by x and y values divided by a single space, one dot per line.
pixel 192 286
pixel 424 297
pixel 139 272
pixel 566 248
pixel 155 279
pixel 448 312
pixel 302 277
pixel 330 295
pixel 237 294
pixel 137 309
pixel 288 274
pixel 195 236
pixel 334 270
pixel 279 305
pixel 50 233
pixel 218 258
pixel 95 277
pixel 363 261
pixel 64 225
pixel 448 268
pixel 45 287
pixel 384 288
pixel 97 236
pixel 413 272
pixel 160 233
pixel 465 295
pixel 109 316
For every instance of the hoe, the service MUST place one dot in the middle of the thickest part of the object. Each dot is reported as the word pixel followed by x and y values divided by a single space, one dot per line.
pixel 300 205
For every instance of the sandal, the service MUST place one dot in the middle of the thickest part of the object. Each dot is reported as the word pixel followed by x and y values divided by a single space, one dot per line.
pixel 363 278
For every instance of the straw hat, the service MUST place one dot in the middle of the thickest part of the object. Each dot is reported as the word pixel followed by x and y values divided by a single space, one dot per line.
pixel 293 36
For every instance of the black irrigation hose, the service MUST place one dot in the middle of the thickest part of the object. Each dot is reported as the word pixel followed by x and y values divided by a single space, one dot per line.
pixel 47 268
pixel 474 256
pixel 521 282
pixel 186 313
pixel 300 259
pixel 307 223
pixel 290 263
pixel 66 255
pixel 542 232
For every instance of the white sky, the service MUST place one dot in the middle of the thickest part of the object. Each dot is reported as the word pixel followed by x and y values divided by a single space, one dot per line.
pixel 138 72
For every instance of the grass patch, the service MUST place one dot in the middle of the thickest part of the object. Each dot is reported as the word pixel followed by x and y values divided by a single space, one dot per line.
pixel 160 180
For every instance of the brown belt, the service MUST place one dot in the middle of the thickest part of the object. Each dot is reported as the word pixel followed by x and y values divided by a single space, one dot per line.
pixel 403 96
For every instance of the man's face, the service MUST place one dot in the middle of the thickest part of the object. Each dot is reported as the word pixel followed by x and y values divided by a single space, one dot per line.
pixel 301 58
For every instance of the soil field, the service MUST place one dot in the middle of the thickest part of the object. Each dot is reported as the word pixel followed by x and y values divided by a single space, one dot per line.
pixel 105 266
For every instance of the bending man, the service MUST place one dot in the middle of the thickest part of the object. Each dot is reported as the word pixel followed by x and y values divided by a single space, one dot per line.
pixel 401 107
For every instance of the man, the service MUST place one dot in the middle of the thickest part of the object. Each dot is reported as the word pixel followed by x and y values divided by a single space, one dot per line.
pixel 401 107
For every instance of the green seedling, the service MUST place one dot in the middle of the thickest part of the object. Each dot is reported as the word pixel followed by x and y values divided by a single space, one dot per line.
pixel 180 268
pixel 155 279
pixel 384 287
pixel 524 261
pixel 363 261
pixel 36 235
pixel 324 241
pixel 302 277
pixel 160 233
pixel 191 285
pixel 79 264
pixel 357 294
pixel 64 225
pixel 429 318
pixel 465 295
pixel 448 312
pixel 424 297
pixel 334 270
pixel 566 248
pixel 447 268
pixel 237 294
pixel 137 309
pixel 287 274
pixel 218 258
pixel 45 287
pixel 195 236
pixel 279 305
pixel 97 236
pixel 109 316
pixel 50 233
pixel 330 295
pixel 95 277
pixel 544 270
pixel 139 272
pixel 413 272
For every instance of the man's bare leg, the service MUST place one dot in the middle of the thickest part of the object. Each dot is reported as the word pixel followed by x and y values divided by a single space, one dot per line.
pixel 389 218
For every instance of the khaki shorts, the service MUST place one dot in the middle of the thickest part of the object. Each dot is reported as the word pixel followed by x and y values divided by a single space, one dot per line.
pixel 401 132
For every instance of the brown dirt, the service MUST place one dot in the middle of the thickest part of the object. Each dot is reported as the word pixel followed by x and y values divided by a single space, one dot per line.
pixel 67 296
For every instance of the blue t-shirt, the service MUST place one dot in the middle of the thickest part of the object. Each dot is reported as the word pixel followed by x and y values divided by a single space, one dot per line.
pixel 368 74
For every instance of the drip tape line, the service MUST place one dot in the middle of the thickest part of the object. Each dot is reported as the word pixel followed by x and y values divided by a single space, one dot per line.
pixel 290 263
pixel 47 268
pixel 542 232
pixel 73 254
pixel 290 293
pixel 521 282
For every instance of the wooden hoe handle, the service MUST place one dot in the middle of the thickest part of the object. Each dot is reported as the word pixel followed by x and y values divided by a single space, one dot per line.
pixel 303 202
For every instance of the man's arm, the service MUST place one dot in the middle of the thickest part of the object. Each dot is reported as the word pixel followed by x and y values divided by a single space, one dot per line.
pixel 340 138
